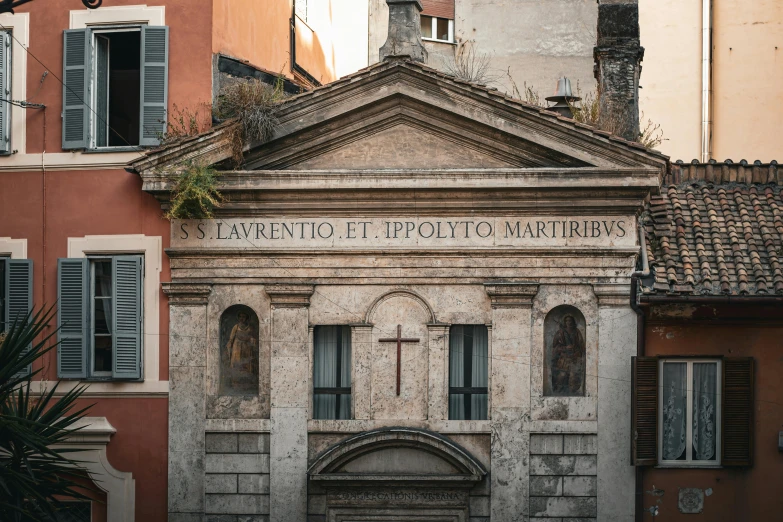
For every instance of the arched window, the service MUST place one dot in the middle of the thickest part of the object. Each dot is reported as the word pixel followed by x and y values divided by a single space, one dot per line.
pixel 468 375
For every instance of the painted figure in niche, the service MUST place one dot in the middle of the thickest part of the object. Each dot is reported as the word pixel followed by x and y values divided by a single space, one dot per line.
pixel 239 353
pixel 565 354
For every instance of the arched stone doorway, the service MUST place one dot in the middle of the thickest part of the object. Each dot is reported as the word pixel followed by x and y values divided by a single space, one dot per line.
pixel 395 474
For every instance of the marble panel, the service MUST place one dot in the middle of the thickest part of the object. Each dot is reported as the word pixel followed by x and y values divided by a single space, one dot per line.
pixel 253 484
pixel 186 408
pixel 580 444
pixel 563 465
pixel 437 342
pixel 186 495
pixel 290 382
pixel 361 379
pixel 580 486
pixel 236 463
pixel 253 443
pixel 545 444
pixel 562 506
pixel 237 504
pixel 546 486
pixel 187 336
pixel 220 483
pixel 221 442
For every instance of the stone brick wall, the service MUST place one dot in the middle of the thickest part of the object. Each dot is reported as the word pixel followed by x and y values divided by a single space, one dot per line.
pixel 237 477
pixel 563 477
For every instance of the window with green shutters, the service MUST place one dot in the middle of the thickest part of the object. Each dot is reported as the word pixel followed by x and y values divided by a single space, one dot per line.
pixel 100 318
pixel 115 90
pixel 16 291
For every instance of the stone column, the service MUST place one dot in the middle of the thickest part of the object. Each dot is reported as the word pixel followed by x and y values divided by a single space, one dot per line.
pixel 187 393
pixel 617 341
pixel 290 399
pixel 618 58
pixel 361 352
pixel 437 393
pixel 510 398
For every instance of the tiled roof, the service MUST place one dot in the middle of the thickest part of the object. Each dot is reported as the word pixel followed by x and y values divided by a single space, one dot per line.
pixel 717 229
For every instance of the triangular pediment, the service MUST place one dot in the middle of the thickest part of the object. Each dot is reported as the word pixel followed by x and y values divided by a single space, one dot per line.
pixel 403 115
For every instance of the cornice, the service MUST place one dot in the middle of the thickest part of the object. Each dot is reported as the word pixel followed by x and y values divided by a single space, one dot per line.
pixel 511 295
pixel 290 295
pixel 187 294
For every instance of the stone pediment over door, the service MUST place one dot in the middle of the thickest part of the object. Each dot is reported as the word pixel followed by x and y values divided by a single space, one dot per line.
pixel 400 114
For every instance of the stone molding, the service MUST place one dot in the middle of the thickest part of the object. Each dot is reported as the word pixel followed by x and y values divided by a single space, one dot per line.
pixel 511 295
pixel 612 295
pixel 16 248
pixel 368 318
pixel 290 295
pixel 89 445
pixel 334 457
pixel 187 294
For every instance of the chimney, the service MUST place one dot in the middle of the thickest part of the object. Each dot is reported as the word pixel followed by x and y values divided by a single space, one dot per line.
pixel 404 38
pixel 618 56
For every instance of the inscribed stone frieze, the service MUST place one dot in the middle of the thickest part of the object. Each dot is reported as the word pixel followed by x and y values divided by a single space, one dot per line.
pixel 406 232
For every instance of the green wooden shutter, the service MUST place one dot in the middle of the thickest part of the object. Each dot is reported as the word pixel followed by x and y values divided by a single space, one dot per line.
pixel 73 298
pixel 76 88
pixel 737 412
pixel 154 83
pixel 127 284
pixel 5 89
pixel 19 292
pixel 644 411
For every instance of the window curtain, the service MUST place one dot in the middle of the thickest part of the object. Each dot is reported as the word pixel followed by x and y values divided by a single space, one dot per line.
pixel 457 372
pixel 675 410
pixel 462 338
pixel 704 401
pixel 479 377
pixel 328 339
pixel 325 371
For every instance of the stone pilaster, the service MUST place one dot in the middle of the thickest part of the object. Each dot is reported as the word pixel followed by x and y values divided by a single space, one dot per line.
pixel 617 339
pixel 361 352
pixel 404 38
pixel 438 382
pixel 618 56
pixel 290 399
pixel 187 392
pixel 510 398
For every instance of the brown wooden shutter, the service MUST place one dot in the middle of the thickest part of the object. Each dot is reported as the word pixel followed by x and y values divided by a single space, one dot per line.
pixel 737 413
pixel 644 411
pixel 439 8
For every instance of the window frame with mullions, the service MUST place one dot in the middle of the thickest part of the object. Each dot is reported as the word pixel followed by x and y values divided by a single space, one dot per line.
pixel 434 29
pixel 467 391
pixel 345 333
pixel 689 461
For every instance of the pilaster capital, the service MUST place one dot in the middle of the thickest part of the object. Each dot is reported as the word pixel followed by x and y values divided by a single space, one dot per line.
pixel 612 294
pixel 187 294
pixel 290 295
pixel 511 295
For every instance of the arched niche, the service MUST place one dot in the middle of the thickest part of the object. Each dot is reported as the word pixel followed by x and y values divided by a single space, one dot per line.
pixel 239 351
pixel 369 317
pixel 564 352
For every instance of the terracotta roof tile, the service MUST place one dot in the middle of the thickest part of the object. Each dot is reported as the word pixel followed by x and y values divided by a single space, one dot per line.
pixel 717 228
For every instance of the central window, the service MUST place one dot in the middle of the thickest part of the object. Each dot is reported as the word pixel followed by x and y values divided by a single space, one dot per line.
pixel 689 412
pixel 435 28
pixel 116 92
pixel 332 372
pixel 468 358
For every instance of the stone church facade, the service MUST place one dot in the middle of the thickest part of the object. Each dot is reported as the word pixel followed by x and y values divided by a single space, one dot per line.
pixel 413 304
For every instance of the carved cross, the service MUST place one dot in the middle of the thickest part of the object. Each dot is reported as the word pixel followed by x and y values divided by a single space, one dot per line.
pixel 399 340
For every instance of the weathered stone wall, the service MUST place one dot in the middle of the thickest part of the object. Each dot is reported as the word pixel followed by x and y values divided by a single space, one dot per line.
pixel 563 477
pixel 237 476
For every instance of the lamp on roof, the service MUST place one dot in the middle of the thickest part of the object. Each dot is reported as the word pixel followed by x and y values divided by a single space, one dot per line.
pixel 563 98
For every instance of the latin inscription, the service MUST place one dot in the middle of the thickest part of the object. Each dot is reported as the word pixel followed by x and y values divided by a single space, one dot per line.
pixel 424 232
pixel 397 496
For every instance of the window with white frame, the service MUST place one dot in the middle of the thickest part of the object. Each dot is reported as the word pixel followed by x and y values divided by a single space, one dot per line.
pixel 689 412
pixel 115 86
pixel 437 29
pixel 100 317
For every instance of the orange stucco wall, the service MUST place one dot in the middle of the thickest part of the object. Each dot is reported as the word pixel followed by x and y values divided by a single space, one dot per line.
pixel 738 494
pixel 254 31
pixel 46 208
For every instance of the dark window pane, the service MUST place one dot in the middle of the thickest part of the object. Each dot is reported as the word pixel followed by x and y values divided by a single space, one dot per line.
pixel 2 295
pixel 468 371
pixel 103 355
pixel 332 370
pixel 443 29
pixel 103 315
pixel 102 278
pixel 426 26
pixel 74 512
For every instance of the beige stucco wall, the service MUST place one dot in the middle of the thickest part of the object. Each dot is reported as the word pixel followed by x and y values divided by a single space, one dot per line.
pixel 671 73
pixel 747 77
pixel 536 42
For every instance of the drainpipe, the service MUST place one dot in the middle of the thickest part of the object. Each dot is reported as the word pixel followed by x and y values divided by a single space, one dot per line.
pixel 635 277
pixel 706 80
